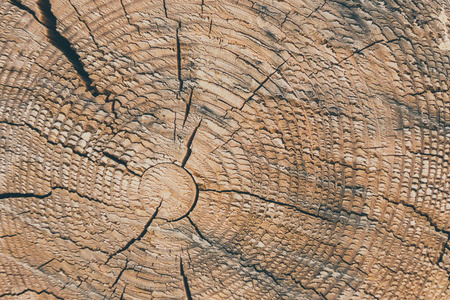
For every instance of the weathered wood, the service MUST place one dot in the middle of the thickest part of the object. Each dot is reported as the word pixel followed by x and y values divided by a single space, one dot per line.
pixel 289 149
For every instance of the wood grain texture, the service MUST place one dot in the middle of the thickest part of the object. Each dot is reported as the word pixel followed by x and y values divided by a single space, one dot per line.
pixel 200 149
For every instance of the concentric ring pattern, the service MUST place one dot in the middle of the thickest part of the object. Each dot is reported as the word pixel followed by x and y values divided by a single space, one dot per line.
pixel 312 138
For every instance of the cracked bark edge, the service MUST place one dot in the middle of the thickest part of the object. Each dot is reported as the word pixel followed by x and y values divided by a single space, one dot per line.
pixel 138 238
pixel 187 290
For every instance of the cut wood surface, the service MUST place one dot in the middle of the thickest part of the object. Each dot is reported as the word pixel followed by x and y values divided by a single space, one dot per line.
pixel 210 149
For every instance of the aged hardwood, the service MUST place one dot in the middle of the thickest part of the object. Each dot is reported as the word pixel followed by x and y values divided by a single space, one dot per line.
pixel 274 149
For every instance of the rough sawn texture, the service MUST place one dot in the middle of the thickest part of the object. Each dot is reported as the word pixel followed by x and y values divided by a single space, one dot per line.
pixel 279 149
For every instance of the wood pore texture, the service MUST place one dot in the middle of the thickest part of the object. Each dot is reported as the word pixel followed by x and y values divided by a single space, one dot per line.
pixel 273 149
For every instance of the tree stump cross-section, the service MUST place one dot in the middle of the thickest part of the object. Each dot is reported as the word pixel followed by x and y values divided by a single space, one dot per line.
pixel 224 149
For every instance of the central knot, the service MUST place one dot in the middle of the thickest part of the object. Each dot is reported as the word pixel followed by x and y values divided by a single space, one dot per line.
pixel 171 187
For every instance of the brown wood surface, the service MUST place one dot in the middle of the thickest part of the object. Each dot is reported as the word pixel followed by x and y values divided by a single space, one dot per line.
pixel 275 149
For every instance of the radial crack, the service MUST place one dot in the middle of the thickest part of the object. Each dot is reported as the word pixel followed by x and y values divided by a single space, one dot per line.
pixel 128 17
pixel 196 229
pixel 185 281
pixel 262 84
pixel 175 127
pixel 49 21
pixel 165 8
pixel 85 24
pixel 189 144
pixel 120 274
pixel 123 292
pixel 352 54
pixel 59 41
pixel 138 238
pixel 179 57
pixel 317 8
pixel 188 106
pixel 46 263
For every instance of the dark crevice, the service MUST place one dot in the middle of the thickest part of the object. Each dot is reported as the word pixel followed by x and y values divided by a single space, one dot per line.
pixel 440 258
pixel 49 21
pixel 196 229
pixel 175 127
pixel 120 274
pixel 317 8
pixel 165 8
pixel 261 84
pixel 285 19
pixel 123 293
pixel 46 263
pixel 260 270
pixel 128 17
pixel 185 281
pixel 9 235
pixel 21 6
pixel 138 238
pixel 24 195
pixel 188 106
pixel 59 41
pixel 33 291
pixel 189 145
pixel 179 57
pixel 119 161
pixel 360 50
